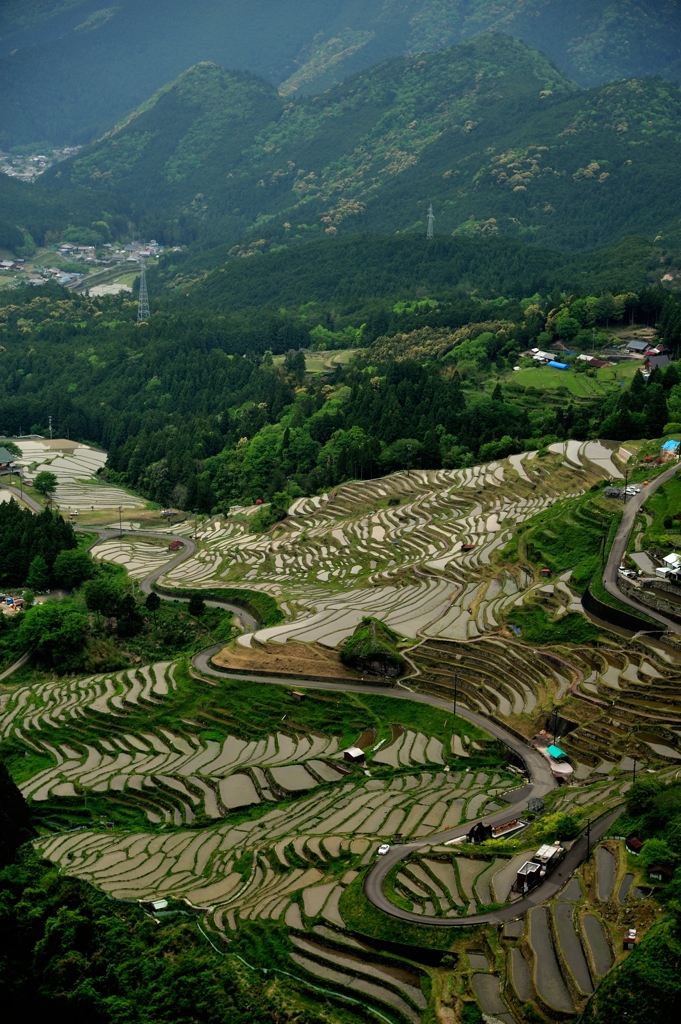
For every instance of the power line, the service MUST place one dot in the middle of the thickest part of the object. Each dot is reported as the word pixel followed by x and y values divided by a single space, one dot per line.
pixel 143 307
pixel 431 222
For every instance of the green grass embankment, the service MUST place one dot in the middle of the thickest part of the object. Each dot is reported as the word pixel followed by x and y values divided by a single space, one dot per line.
pixel 261 606
pixel 575 534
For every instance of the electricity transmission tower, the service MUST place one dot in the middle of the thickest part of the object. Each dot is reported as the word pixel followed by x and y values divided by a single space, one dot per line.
pixel 143 307
pixel 431 221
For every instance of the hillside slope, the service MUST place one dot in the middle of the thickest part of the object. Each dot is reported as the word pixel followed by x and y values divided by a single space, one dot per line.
pixel 356 268
pixel 489 131
pixel 70 68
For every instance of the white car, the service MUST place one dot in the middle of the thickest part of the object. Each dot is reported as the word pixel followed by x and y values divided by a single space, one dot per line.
pixel 383 849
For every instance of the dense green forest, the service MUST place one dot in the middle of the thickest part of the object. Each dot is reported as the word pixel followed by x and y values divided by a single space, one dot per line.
pixel 195 411
pixel 356 270
pixel 70 953
pixel 31 217
pixel 52 51
pixel 28 540
pixel 491 132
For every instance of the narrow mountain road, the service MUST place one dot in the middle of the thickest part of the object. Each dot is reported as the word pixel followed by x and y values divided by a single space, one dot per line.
pixel 619 547
pixel 17 664
pixel 541 783
pixel 541 779
pixel 34 505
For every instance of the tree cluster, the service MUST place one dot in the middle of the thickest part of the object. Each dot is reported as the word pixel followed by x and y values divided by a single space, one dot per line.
pixel 30 546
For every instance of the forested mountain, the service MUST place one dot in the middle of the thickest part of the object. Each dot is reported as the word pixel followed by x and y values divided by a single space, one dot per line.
pixel 490 132
pixel 360 268
pixel 54 51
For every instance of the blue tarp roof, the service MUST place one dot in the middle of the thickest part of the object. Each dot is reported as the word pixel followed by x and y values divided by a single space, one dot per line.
pixel 558 366
pixel 670 446
pixel 556 752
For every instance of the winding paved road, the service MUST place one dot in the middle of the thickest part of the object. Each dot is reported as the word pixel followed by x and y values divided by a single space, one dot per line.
pixel 34 505
pixel 541 780
pixel 541 783
pixel 619 547
pixel 246 620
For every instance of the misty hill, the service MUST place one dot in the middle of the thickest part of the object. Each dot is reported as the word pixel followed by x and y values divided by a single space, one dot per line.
pixel 69 69
pixel 489 131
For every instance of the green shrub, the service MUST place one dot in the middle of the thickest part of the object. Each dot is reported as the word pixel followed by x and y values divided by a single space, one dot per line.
pixel 559 826
pixel 537 628
pixel 71 568
pixel 373 648
pixel 56 633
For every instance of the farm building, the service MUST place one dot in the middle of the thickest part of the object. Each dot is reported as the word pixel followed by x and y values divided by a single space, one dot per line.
pixel 661 873
pixel 534 871
pixel 655 358
pixel 637 347
pixel 354 754
pixel 480 833
pixel 6 459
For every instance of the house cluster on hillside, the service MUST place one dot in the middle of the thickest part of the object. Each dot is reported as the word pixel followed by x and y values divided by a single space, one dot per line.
pixel 551 359
pixel 28 167
pixel 108 254
pixel 654 356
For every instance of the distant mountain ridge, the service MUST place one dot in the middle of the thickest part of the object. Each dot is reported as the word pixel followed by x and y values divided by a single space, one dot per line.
pixel 69 69
pixel 491 132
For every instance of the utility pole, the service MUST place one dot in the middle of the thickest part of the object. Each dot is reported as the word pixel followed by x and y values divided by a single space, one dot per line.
pixel 431 222
pixel 555 716
pixel 120 519
pixel 50 419
pixel 456 680
pixel 143 307
pixel 408 460
pixel 588 838
pixel 634 780
pixel 196 512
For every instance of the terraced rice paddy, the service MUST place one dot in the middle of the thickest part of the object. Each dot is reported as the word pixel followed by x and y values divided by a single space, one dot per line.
pixel 75 467
pixel 632 685
pixel 392 548
pixel 350 553
pixel 272 825
pixel 139 557
pixel 548 978
pixel 441 882
pixel 292 825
